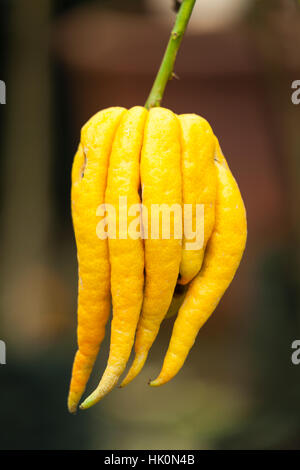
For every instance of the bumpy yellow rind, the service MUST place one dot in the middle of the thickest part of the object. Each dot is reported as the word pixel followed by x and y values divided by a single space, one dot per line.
pixel 222 258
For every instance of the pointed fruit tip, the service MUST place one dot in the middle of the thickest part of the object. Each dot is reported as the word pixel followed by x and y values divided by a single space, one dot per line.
pixel 156 383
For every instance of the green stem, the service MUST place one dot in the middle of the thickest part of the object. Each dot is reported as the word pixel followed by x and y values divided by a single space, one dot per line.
pixel 165 72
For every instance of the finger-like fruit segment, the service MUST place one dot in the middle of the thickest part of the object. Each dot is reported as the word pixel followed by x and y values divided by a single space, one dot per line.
pixel 199 184
pixel 161 189
pixel 89 175
pixel 126 253
pixel 222 258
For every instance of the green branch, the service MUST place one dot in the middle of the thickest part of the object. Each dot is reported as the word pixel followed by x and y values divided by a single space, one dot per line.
pixel 165 72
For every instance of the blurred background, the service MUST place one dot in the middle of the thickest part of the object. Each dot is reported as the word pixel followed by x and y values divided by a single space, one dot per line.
pixel 63 60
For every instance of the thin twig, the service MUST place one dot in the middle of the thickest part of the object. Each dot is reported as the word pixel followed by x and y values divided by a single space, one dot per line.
pixel 166 68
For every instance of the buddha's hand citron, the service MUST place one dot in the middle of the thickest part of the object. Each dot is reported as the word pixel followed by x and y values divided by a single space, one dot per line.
pixel 134 163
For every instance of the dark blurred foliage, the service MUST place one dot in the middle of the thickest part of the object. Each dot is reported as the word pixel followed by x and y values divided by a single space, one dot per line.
pixel 34 416
pixel 61 6
pixel 4 15
pixel 259 9
pixel 4 23
pixel 274 422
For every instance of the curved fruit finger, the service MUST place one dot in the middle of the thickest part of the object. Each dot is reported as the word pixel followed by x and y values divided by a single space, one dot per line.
pixel 223 254
pixel 199 185
pixel 89 175
pixel 126 254
pixel 161 184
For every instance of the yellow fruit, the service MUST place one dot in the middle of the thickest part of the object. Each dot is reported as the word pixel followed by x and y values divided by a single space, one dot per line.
pixel 126 255
pixel 223 254
pixel 145 259
pixel 161 184
pixel 89 176
pixel 199 183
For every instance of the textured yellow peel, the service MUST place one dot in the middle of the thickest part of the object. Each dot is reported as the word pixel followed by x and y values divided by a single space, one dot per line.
pixel 89 174
pixel 161 184
pixel 176 162
pixel 126 254
pixel 222 258
pixel 199 185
